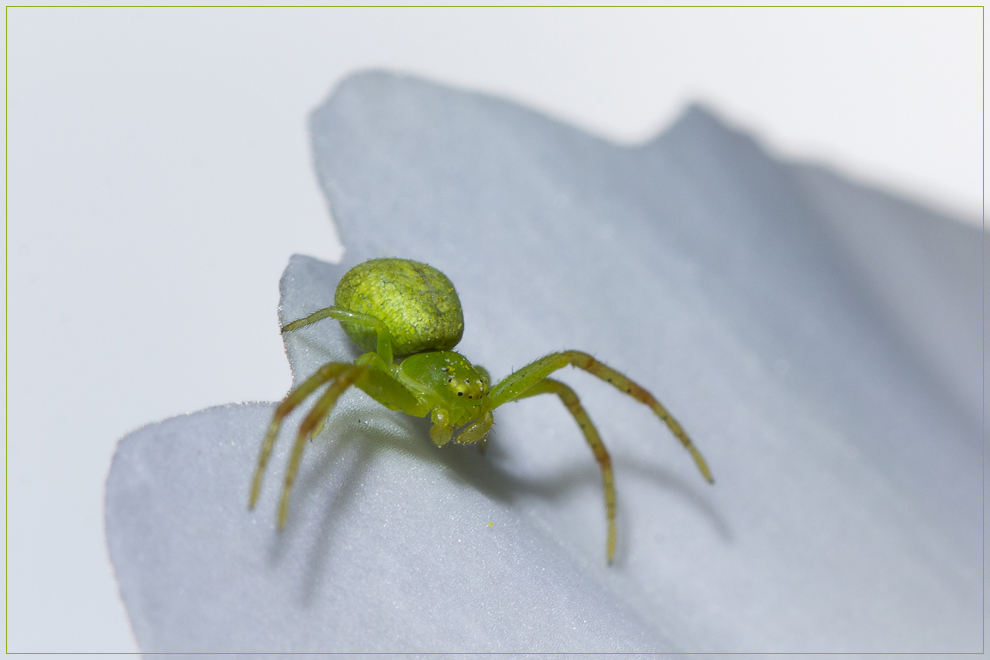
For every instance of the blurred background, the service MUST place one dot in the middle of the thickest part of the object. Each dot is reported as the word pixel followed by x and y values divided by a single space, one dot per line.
pixel 159 178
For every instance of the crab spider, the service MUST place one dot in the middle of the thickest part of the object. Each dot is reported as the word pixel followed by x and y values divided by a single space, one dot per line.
pixel 396 308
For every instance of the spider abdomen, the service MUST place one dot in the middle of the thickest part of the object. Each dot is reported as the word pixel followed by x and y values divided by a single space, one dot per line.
pixel 416 302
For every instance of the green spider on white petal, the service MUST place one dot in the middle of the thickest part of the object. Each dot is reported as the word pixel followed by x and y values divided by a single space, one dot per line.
pixel 407 317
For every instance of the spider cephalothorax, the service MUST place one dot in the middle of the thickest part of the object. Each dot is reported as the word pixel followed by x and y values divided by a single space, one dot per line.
pixel 407 316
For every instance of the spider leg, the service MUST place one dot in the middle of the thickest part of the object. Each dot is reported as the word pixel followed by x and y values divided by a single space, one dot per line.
pixel 384 336
pixel 325 373
pixel 519 382
pixel 313 420
pixel 364 374
pixel 378 383
pixel 573 404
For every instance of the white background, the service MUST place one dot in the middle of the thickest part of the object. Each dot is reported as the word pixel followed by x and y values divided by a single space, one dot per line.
pixel 158 178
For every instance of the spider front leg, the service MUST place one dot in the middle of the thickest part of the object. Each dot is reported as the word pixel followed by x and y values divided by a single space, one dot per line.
pixel 573 404
pixel 323 375
pixel 314 419
pixel 364 374
pixel 518 382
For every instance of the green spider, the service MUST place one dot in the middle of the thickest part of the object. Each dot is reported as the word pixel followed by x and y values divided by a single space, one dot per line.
pixel 396 308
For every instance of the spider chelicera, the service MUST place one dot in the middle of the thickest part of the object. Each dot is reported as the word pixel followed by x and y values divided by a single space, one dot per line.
pixel 397 308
